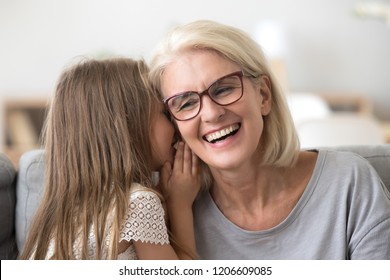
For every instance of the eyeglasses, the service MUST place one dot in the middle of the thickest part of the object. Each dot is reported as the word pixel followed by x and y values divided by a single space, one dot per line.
pixel 224 91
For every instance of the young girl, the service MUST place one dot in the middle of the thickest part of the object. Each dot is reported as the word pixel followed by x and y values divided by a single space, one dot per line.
pixel 106 132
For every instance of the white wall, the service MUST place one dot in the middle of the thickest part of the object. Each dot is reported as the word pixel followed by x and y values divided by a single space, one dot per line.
pixel 327 48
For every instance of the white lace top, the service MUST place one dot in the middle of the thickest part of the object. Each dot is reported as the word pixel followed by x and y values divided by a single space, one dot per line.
pixel 144 222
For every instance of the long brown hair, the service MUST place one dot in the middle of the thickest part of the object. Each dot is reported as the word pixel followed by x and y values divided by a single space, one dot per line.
pixel 96 145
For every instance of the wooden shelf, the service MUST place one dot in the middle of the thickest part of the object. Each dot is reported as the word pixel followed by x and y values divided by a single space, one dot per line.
pixel 348 102
pixel 386 130
pixel 22 126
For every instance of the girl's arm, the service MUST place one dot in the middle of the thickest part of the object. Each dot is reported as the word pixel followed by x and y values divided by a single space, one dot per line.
pixel 150 251
pixel 180 186
pixel 145 227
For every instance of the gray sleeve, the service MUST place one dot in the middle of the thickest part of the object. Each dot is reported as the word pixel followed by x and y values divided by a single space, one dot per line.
pixel 370 216
pixel 367 206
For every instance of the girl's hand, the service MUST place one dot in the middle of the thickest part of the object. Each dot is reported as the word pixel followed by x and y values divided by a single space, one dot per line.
pixel 181 183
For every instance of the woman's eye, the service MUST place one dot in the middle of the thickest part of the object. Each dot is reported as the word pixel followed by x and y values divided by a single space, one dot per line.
pixel 189 104
pixel 222 91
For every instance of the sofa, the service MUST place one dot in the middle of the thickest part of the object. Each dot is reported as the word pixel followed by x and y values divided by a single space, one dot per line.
pixel 21 191
pixel 8 249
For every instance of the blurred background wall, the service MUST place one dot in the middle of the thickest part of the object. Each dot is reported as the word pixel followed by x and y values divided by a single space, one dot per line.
pixel 326 47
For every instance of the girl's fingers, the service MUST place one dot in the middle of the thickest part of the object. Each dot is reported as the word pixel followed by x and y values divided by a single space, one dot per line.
pixel 185 160
pixel 187 163
pixel 178 164
pixel 195 164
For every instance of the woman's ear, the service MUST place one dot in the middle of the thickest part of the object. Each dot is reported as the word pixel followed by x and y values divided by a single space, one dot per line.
pixel 266 95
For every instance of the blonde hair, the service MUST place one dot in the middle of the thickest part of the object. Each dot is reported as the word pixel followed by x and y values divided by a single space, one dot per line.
pixel 280 140
pixel 96 145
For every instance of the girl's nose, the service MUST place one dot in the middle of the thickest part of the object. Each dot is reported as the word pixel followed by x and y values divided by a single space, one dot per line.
pixel 211 111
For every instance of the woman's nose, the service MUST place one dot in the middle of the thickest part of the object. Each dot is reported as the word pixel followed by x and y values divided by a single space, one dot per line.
pixel 211 111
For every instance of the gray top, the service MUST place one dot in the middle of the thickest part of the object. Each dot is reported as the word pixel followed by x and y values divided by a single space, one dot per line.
pixel 344 213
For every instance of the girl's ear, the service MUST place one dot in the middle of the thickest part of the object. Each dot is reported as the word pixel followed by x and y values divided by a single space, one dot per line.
pixel 266 94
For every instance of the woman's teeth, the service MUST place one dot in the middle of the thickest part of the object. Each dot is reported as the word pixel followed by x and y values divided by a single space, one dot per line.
pixel 221 134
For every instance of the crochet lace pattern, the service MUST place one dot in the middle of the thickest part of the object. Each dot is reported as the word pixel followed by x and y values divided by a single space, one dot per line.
pixel 144 221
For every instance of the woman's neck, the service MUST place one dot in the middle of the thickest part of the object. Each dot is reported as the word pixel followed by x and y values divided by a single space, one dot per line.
pixel 259 197
pixel 241 187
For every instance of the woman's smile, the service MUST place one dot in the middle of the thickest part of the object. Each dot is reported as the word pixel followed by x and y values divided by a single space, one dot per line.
pixel 222 134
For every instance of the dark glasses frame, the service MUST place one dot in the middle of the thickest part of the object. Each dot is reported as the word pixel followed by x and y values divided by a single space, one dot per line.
pixel 239 74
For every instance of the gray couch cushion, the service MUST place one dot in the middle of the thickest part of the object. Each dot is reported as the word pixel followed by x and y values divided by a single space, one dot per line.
pixel 29 191
pixel 8 248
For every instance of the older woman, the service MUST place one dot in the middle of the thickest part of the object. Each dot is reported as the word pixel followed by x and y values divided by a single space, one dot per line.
pixel 265 198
